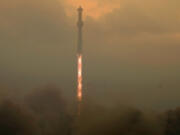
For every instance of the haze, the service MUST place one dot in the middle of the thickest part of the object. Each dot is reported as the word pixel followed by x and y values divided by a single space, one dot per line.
pixel 131 49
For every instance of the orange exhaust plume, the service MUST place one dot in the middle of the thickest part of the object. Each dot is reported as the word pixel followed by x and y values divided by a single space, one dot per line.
pixel 79 83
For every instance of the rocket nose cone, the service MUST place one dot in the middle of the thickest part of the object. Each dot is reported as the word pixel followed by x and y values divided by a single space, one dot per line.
pixel 80 9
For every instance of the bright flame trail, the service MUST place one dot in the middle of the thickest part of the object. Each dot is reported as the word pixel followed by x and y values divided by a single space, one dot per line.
pixel 79 79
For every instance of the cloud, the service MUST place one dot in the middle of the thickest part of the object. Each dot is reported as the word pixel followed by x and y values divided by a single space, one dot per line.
pixel 15 119
pixel 45 112
pixel 136 43
pixel 35 39
pixel 92 8
pixel 42 112
pixel 126 120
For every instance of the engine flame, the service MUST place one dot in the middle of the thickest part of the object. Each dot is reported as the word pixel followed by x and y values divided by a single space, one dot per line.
pixel 79 79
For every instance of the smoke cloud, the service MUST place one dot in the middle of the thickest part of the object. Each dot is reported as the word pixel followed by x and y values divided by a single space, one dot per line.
pixel 40 113
pixel 127 121
pixel 45 112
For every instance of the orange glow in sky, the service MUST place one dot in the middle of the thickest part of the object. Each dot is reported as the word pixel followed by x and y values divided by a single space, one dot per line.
pixel 92 8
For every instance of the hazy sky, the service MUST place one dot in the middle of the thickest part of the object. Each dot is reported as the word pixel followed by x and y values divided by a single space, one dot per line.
pixel 126 43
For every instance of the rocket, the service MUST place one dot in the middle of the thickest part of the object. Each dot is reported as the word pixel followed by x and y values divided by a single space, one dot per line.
pixel 79 58
pixel 80 26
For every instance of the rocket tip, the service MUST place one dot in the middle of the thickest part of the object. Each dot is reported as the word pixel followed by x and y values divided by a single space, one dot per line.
pixel 80 8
